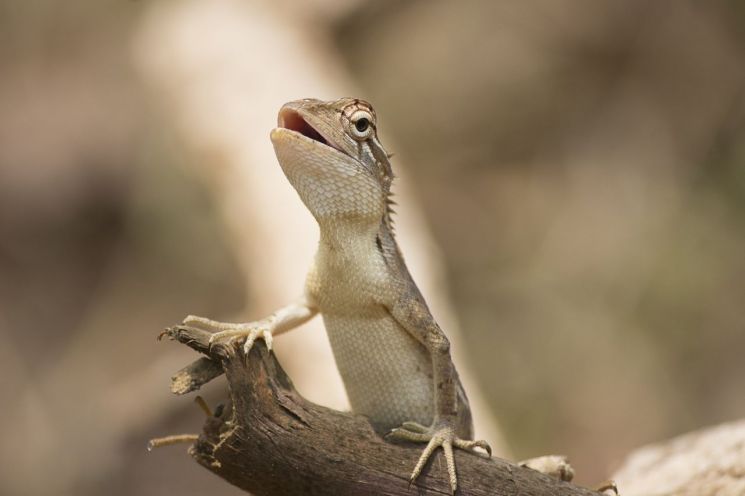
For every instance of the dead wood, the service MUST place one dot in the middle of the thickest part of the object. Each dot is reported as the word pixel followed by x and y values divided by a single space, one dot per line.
pixel 274 442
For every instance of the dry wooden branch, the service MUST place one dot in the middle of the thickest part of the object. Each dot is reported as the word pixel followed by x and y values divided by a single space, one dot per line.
pixel 274 442
pixel 195 375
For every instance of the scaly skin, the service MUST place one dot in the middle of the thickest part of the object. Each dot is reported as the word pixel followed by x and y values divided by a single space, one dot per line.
pixel 393 358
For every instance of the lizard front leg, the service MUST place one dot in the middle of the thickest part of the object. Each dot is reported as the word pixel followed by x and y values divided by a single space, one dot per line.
pixel 414 316
pixel 283 320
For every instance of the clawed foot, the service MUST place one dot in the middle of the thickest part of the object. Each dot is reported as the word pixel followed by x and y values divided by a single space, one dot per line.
pixel 554 465
pixel 442 434
pixel 226 332
pixel 607 486
pixel 558 466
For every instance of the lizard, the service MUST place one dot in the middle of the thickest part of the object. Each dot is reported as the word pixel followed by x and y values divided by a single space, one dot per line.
pixel 393 357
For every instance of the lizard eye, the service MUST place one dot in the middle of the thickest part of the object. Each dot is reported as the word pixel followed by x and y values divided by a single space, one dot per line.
pixel 362 125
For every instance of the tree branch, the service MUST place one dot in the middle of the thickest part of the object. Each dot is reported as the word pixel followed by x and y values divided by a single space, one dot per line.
pixel 274 442
pixel 195 375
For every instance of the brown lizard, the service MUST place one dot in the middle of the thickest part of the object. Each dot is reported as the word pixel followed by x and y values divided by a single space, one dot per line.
pixel 392 356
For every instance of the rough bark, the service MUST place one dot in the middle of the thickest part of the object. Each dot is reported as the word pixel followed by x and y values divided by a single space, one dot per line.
pixel 274 442
pixel 195 375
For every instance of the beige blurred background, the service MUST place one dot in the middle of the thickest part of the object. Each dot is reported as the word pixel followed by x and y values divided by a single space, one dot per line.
pixel 579 165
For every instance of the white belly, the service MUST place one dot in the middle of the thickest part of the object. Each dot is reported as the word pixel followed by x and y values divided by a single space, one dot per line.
pixel 386 372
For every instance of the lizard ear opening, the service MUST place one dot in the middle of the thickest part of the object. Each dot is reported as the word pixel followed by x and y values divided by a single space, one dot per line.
pixel 292 120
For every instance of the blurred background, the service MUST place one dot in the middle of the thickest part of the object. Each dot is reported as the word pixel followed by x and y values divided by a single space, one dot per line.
pixel 577 170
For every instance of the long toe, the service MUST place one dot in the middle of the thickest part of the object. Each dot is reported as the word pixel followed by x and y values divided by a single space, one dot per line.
pixel 433 444
pixel 407 435
pixel 442 434
pixel 414 427
pixel 447 448
pixel 470 445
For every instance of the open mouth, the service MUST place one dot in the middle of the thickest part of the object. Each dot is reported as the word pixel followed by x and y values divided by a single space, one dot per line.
pixel 292 120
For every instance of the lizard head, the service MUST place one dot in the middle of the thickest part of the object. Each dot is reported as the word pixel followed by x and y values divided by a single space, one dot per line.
pixel 331 155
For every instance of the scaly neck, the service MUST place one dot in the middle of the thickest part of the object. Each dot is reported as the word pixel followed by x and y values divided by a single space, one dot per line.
pixel 347 237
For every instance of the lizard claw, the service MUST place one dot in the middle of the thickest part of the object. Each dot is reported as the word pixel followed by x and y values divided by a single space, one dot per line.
pixel 441 434
pixel 556 466
pixel 471 444
pixel 252 333
pixel 226 332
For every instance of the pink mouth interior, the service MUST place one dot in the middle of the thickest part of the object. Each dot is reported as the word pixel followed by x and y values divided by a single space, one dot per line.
pixel 290 119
